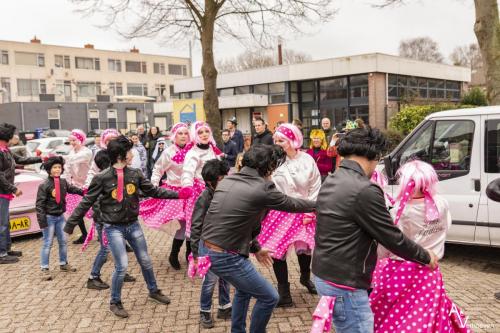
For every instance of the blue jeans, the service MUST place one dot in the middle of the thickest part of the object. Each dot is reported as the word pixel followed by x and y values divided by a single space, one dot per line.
pixel 102 254
pixel 352 312
pixel 248 282
pixel 207 292
pixel 4 227
pixel 55 226
pixel 132 233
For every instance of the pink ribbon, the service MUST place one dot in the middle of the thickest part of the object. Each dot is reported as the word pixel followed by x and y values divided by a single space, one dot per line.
pixel 322 316
pixel 380 180
pixel 431 211
pixel 201 269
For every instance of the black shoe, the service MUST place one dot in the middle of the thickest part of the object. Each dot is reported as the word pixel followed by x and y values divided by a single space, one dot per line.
pixel 128 248
pixel 118 310
pixel 15 253
pixel 497 296
pixel 8 260
pixel 97 284
pixel 80 240
pixel 129 278
pixel 306 282
pixel 159 297
pixel 206 319
pixel 285 300
pixel 224 313
pixel 67 268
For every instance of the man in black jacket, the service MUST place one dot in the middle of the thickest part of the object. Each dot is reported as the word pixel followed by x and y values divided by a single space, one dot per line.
pixel 262 134
pixel 229 149
pixel 117 189
pixel 235 134
pixel 8 190
pixel 352 219
pixel 230 229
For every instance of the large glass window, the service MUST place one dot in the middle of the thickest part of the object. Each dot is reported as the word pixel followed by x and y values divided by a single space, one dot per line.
pixel 138 89
pixel 88 89
pixel 492 146
pixel 277 93
pixel 114 65
pixel 333 89
pixel 358 86
pixel 116 88
pixel 159 68
pixel 262 89
pixel 174 69
pixel 242 90
pixel 61 61
pixel 87 63
pixel 401 86
pixel 28 87
pixel 226 92
pixel 135 67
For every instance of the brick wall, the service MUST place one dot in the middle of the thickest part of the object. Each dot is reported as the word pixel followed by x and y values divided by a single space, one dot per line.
pixel 377 99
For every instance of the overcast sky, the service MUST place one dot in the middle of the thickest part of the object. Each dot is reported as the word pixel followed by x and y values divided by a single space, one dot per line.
pixel 357 28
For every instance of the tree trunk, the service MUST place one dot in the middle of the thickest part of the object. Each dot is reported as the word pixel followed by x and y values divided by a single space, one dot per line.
pixel 487 29
pixel 209 72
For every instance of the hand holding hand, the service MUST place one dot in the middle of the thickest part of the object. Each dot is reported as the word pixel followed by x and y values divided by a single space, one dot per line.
pixel 264 257
pixel 433 264
pixel 308 218
pixel 18 192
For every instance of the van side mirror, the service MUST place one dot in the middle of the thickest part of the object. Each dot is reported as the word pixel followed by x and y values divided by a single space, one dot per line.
pixel 493 190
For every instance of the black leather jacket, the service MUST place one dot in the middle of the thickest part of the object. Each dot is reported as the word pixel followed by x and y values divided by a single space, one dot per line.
pixel 8 163
pixel 199 212
pixel 46 199
pixel 239 204
pixel 352 219
pixel 103 187
pixel 265 138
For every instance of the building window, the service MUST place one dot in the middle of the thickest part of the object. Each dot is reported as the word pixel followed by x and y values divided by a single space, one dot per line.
pixel 358 86
pixel 226 92
pixel 261 89
pixel 28 87
pixel 114 65
pixel 87 63
pixel 54 118
pixel 160 91
pixel 135 66
pixel 159 68
pixel 5 84
pixel 61 61
pixel 30 59
pixel 63 88
pixel 137 89
pixel 242 90
pixel 88 89
pixel 116 88
pixel 177 69
pixel 94 119
pixel 112 118
pixel 277 93
pixel 173 95
pixel 410 87
pixel 4 57
pixel 197 94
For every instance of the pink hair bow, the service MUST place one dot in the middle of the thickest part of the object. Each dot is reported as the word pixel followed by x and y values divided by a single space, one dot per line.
pixel 201 269
pixel 380 180
pixel 322 316
pixel 431 211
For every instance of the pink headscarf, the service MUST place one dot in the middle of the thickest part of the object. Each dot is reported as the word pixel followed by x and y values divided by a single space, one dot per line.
pixel 78 135
pixel 194 132
pixel 195 139
pixel 176 128
pixel 106 135
pixel 422 176
pixel 290 133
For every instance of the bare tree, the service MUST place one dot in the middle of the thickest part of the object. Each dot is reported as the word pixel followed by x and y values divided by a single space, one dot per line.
pixel 420 48
pixel 467 56
pixel 260 59
pixel 260 21
pixel 487 30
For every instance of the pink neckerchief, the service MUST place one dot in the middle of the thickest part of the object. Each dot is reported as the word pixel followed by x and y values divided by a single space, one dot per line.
pixel 431 211
pixel 201 269
pixel 322 316
pixel 380 180
pixel 180 156
pixel 4 147
pixel 57 188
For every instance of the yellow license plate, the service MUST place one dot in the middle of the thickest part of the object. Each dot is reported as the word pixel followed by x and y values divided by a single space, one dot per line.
pixel 20 223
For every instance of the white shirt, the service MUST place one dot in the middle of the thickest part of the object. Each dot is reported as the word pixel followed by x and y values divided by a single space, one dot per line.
pixel 194 162
pixel 166 164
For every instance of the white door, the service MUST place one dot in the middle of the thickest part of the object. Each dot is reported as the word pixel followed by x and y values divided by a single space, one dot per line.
pixel 491 171
pixel 132 119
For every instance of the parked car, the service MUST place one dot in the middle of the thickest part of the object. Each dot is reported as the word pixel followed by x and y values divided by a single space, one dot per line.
pixel 66 147
pixel 22 210
pixel 463 146
pixel 45 146
pixel 50 133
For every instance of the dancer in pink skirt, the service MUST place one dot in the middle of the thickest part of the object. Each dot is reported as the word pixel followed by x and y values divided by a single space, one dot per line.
pixel 298 177
pixel 77 164
pixel 407 296
pixel 157 212
pixel 201 149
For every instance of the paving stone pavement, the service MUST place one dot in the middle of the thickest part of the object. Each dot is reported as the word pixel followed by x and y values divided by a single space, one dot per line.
pixel 27 304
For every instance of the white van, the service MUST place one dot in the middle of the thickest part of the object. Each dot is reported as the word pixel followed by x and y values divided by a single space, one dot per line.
pixel 464 148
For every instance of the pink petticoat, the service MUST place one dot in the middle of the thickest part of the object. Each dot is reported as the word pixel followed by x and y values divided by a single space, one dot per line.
pixel 198 187
pixel 410 297
pixel 72 201
pixel 157 212
pixel 281 229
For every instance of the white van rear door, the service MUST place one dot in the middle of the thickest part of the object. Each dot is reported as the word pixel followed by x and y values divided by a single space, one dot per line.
pixel 491 171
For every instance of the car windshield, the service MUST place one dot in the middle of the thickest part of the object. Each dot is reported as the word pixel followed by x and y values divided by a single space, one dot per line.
pixel 32 146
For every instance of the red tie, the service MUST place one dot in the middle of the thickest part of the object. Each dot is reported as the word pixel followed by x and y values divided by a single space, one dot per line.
pixel 57 186
pixel 119 190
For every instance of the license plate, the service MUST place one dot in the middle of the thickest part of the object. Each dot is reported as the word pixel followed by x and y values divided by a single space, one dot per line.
pixel 20 223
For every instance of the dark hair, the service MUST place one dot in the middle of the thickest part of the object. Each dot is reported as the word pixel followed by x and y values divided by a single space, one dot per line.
pixel 366 142
pixel 118 148
pixel 51 161
pixel 260 119
pixel 225 131
pixel 102 160
pixel 212 170
pixel 264 158
pixel 7 131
